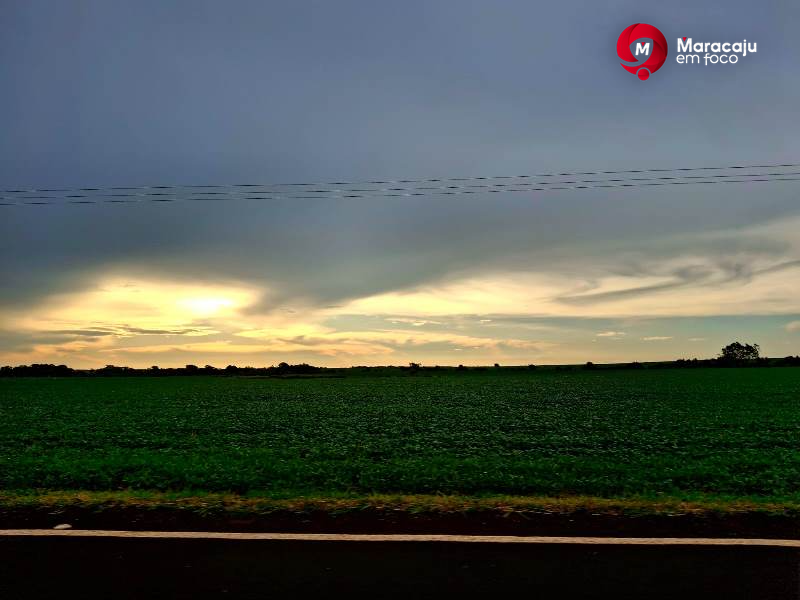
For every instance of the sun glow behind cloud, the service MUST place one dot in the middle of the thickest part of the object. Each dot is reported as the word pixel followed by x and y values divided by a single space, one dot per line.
pixel 206 307
pixel 136 303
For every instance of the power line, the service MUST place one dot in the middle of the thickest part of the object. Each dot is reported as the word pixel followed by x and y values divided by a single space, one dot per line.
pixel 460 191
pixel 430 189
pixel 386 181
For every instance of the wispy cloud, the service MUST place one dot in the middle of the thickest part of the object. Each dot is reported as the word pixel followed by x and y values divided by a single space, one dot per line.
pixel 414 322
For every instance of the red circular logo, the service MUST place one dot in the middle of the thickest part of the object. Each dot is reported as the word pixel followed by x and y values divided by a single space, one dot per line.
pixel 642 49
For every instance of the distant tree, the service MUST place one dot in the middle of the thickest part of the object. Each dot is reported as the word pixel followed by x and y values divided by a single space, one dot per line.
pixel 737 352
pixel 414 366
pixel 589 365
pixel 38 370
pixel 496 365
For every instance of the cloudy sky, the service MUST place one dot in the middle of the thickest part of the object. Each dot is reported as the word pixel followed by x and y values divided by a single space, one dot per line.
pixel 114 93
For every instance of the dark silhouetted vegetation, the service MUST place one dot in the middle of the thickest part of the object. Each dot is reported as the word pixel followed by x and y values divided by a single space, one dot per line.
pixel 739 353
pixel 736 355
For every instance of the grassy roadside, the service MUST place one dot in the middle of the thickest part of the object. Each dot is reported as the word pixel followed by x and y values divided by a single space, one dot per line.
pixel 215 504
pixel 696 516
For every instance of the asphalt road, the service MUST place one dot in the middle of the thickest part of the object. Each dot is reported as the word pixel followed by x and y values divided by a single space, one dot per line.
pixel 56 566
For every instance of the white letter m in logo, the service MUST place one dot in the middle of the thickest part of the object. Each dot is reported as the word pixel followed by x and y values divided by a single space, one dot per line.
pixel 643 48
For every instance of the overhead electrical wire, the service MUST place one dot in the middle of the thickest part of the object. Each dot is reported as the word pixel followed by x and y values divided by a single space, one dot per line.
pixel 447 190
pixel 111 189
pixel 430 189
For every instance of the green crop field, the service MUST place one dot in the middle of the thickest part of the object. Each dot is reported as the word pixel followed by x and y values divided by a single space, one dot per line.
pixel 727 433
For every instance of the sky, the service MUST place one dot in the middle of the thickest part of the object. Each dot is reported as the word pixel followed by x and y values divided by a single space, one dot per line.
pixel 109 93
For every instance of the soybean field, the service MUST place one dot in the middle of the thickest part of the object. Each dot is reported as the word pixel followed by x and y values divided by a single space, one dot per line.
pixel 724 433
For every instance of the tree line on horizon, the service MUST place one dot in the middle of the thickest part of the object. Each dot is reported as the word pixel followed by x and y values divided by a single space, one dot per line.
pixel 732 355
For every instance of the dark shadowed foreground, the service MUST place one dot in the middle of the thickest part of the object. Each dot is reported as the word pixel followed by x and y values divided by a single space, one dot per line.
pixel 39 567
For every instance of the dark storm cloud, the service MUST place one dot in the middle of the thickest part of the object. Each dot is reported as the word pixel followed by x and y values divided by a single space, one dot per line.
pixel 106 93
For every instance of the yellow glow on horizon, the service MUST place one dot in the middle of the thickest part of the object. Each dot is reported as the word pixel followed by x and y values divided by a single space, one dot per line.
pixel 149 305
pixel 772 292
pixel 135 320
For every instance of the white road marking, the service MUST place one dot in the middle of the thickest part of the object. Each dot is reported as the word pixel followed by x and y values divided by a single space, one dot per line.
pixel 355 537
